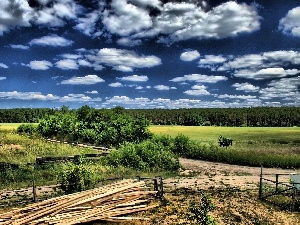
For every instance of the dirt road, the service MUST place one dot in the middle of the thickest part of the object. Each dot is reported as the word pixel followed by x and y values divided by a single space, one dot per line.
pixel 204 175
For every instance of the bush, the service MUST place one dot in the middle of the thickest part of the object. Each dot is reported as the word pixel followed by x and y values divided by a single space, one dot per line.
pixel 27 128
pixel 144 156
pixel 76 177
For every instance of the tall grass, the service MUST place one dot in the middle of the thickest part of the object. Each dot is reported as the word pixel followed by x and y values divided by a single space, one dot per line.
pixel 252 146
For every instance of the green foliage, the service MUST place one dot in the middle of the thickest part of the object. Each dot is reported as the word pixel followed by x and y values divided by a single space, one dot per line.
pixel 27 128
pixel 144 156
pixel 76 177
pixel 181 145
pixel 199 211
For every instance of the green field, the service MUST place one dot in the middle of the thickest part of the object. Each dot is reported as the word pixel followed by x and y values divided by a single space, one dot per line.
pixel 282 140
pixel 9 126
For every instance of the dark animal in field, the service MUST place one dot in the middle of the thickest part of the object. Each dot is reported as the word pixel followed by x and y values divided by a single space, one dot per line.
pixel 224 142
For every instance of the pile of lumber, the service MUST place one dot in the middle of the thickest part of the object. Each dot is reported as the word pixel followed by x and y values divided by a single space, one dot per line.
pixel 109 203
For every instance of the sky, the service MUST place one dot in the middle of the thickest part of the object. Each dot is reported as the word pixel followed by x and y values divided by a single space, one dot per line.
pixel 149 53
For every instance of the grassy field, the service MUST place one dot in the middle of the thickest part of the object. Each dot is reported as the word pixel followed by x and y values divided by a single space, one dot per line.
pixel 10 126
pixel 271 139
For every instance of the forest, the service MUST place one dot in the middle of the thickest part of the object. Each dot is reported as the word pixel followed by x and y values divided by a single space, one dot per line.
pixel 233 117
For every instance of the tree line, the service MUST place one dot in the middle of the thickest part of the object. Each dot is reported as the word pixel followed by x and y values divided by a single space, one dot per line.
pixel 251 117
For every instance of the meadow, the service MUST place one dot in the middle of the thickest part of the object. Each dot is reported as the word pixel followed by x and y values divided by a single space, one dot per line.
pixel 265 139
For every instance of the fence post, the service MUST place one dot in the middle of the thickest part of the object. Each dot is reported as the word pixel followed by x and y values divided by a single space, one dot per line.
pixel 276 187
pixel 293 198
pixel 33 185
pixel 260 182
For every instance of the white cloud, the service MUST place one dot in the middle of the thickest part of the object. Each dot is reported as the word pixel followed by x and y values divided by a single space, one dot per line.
pixel 71 56
pixel 92 92
pixel 40 65
pixel 250 60
pixel 28 96
pixel 2 78
pixel 290 24
pixel 245 87
pixel 116 84
pixel 255 62
pixel 83 62
pixel 212 59
pixel 19 46
pixel 199 78
pixel 245 97
pixel 183 21
pixel 129 42
pixel 67 64
pixel 51 40
pixel 86 80
pixel 125 18
pixel 146 3
pixel 87 24
pixel 123 60
pixel 197 90
pixel 56 14
pixel 78 98
pixel 190 55
pixel 123 68
pixel 282 88
pixel 14 14
pixel 268 73
pixel 3 65
pixel 135 78
pixel 162 87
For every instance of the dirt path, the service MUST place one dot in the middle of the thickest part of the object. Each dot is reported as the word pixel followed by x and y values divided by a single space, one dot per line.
pixel 204 175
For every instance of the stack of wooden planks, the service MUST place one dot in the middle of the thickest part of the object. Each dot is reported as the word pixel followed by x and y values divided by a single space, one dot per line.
pixel 109 203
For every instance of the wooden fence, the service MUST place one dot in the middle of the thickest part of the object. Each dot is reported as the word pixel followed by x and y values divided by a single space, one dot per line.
pixel 21 197
pixel 279 190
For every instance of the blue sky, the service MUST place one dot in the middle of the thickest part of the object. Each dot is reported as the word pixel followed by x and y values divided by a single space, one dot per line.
pixel 149 53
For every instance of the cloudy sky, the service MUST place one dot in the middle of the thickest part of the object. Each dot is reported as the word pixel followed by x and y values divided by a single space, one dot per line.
pixel 149 53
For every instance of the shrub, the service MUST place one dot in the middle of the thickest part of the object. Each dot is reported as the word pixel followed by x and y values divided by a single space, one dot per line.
pixel 27 128
pixel 144 156
pixel 76 177
pixel 198 211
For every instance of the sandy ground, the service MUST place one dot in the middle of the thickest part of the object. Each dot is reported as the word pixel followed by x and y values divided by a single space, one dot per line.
pixel 204 175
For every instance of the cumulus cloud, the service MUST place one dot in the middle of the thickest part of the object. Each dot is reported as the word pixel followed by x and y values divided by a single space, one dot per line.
pixel 51 40
pixel 123 60
pixel 40 65
pixel 212 59
pixel 268 73
pixel 197 90
pixel 54 15
pixel 199 78
pixel 78 98
pixel 245 97
pixel 87 24
pixel 125 18
pixel 92 92
pixel 67 64
pixel 282 88
pixel 129 42
pixel 162 87
pixel 86 80
pixel 290 24
pixel 183 21
pixel 3 65
pixel 28 96
pixel 189 55
pixel 262 60
pixel 24 47
pixel 14 14
pixel 134 78
pixel 116 84
pixel 245 87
